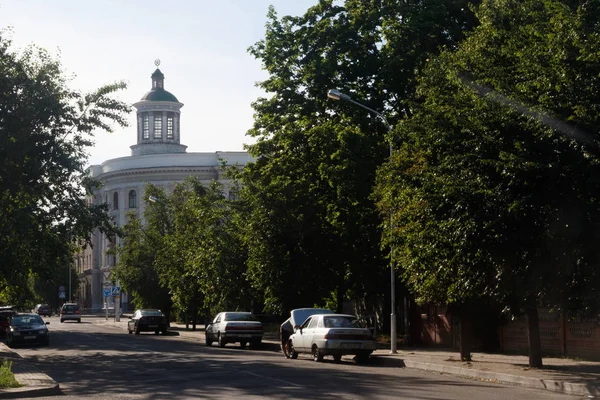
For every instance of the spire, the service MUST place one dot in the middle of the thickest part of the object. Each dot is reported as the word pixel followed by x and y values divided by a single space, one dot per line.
pixel 158 79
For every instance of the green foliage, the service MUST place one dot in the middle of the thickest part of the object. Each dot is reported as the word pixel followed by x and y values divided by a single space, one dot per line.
pixel 495 187
pixel 45 128
pixel 7 378
pixel 312 228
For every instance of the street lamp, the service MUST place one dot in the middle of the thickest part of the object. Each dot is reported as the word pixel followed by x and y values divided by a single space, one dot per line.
pixel 337 95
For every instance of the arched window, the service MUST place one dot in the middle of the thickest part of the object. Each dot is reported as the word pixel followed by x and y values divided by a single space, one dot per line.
pixel 132 199
pixel 115 201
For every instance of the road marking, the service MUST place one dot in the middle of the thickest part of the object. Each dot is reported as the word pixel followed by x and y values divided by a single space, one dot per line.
pixel 273 379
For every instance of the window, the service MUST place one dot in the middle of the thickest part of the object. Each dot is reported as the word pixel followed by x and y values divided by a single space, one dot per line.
pixel 115 201
pixel 170 126
pixel 146 128
pixel 313 323
pixel 132 199
pixel 157 126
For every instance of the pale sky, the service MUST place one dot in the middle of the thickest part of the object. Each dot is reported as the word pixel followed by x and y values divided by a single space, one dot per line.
pixel 202 46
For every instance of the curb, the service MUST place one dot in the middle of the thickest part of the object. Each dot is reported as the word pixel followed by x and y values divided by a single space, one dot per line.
pixel 563 387
pixel 30 391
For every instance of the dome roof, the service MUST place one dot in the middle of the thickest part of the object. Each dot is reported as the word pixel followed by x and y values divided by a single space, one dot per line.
pixel 159 94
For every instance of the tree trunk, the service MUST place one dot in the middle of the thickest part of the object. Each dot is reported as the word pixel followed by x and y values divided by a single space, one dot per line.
pixel 465 337
pixel 533 335
pixel 187 321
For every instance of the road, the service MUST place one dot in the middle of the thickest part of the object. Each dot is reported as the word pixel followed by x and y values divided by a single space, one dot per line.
pixel 95 361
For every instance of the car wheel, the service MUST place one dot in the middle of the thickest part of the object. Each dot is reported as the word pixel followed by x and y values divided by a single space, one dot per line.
pixel 79 321
pixel 317 356
pixel 220 340
pixel 207 341
pixel 337 358
pixel 243 345
pixel 164 331
pixel 129 331
pixel 137 330
pixel 293 353
pixel 9 342
pixel 62 320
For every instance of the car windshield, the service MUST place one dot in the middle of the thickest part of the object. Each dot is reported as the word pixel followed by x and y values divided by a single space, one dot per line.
pixel 20 320
pixel 71 307
pixel 239 317
pixel 151 313
pixel 344 321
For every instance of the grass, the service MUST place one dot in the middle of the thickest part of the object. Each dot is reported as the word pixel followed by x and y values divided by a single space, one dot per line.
pixel 7 378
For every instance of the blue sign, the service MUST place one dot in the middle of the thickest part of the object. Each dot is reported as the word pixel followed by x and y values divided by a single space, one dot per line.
pixel 116 290
pixel 62 295
pixel 106 292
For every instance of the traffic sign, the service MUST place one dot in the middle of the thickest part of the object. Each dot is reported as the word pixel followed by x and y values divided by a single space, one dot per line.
pixel 106 284
pixel 106 292
pixel 116 290
pixel 61 289
pixel 62 295
pixel 106 274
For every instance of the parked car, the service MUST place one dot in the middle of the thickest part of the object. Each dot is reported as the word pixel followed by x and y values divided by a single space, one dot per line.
pixel 234 327
pixel 332 334
pixel 26 329
pixel 42 309
pixel 70 312
pixel 147 320
pixel 297 317
pixel 5 313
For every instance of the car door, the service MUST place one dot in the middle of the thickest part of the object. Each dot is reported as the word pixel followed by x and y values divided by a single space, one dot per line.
pixel 213 328
pixel 300 344
pixel 309 332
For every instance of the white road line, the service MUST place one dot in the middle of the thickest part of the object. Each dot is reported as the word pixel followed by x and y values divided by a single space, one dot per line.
pixel 273 379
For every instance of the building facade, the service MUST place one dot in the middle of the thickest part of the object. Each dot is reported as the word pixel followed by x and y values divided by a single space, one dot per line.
pixel 159 158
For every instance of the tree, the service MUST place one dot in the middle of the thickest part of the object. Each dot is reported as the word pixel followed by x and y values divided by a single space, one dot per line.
pixel 45 128
pixel 313 231
pixel 495 187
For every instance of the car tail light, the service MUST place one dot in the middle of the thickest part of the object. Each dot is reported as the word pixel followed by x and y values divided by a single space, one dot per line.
pixel 243 328
pixel 341 336
pixel 76 311
pixel 62 312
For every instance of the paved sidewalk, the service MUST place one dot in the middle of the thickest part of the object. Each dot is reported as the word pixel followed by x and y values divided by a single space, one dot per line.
pixel 35 383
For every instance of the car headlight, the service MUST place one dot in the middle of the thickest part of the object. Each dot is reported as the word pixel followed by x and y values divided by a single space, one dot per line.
pixel 42 332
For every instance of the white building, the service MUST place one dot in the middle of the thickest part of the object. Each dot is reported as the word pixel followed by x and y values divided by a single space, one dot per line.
pixel 159 158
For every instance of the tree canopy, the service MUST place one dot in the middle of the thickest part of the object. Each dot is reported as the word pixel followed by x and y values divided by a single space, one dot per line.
pixel 45 129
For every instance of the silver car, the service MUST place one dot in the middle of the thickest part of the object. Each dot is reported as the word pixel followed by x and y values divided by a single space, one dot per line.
pixel 332 334
pixel 234 327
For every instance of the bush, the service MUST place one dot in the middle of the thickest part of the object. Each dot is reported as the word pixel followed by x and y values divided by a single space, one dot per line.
pixel 7 378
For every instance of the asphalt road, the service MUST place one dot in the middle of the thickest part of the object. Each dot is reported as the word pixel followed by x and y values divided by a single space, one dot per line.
pixel 95 361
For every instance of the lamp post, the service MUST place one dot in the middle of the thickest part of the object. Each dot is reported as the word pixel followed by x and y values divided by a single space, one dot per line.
pixel 337 95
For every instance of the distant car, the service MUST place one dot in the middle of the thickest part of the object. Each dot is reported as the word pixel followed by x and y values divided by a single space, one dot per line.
pixel 147 320
pixel 297 317
pixel 42 309
pixel 332 334
pixel 26 329
pixel 234 327
pixel 70 312
pixel 5 313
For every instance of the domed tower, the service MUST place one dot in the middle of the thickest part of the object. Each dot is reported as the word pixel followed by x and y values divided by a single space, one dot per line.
pixel 158 117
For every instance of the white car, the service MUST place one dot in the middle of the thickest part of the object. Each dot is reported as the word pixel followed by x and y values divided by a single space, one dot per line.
pixel 332 334
pixel 234 327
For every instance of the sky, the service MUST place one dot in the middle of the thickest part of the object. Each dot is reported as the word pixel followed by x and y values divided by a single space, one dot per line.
pixel 202 47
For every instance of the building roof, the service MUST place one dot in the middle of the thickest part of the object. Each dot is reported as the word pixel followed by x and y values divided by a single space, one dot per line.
pixel 159 94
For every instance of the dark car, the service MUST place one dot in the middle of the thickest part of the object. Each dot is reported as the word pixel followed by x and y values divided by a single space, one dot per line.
pixel 147 320
pixel 5 313
pixel 42 309
pixel 26 329
pixel 297 317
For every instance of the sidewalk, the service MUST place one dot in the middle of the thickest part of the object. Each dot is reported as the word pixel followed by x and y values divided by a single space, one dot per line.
pixel 560 375
pixel 35 383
